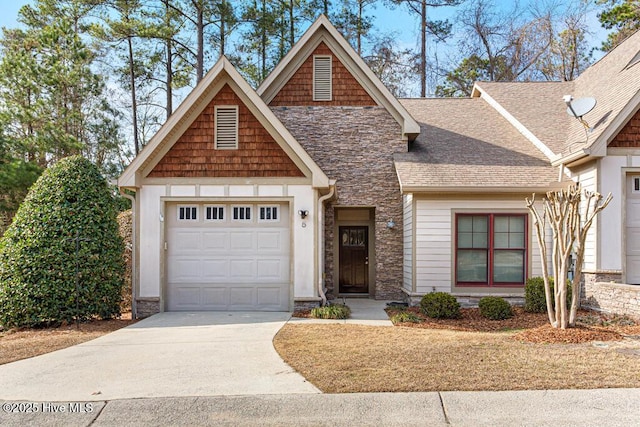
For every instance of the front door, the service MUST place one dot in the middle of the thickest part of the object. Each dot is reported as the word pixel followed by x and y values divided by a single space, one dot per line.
pixel 354 260
pixel 633 229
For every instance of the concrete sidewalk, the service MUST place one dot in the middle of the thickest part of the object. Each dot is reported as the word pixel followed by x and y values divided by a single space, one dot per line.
pixel 601 408
pixel 364 311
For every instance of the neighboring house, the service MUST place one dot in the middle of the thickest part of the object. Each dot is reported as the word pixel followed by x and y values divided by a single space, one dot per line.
pixel 322 183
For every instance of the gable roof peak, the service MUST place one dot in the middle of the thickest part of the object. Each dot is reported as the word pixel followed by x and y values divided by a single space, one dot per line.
pixel 323 31
pixel 223 72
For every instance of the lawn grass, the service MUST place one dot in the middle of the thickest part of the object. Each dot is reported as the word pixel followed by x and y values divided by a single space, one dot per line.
pixel 17 344
pixel 356 358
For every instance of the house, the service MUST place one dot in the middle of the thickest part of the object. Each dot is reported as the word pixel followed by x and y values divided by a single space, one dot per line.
pixel 322 184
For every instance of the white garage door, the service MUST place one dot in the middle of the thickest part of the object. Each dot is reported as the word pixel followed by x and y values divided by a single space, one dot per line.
pixel 228 257
pixel 633 229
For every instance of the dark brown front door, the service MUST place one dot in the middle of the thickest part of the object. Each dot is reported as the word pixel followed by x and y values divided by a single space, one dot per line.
pixel 354 259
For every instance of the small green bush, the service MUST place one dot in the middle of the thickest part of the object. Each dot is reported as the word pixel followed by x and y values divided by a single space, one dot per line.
pixel 440 305
pixel 495 308
pixel 534 299
pixel 39 252
pixel 332 311
pixel 404 317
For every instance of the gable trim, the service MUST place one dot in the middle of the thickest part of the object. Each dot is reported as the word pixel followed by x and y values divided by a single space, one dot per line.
pixel 479 92
pixel 220 74
pixel 599 146
pixel 323 31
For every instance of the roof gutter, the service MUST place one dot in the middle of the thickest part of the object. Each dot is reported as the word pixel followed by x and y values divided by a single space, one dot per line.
pixel 320 231
pixel 480 190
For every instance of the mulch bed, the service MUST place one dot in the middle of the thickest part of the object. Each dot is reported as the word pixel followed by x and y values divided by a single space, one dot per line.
pixel 532 327
pixel 535 327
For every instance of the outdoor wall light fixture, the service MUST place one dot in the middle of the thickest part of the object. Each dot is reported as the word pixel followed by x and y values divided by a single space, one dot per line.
pixel 303 214
pixel 391 224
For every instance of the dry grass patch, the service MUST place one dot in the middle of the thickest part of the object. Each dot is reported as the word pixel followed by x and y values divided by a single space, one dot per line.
pixel 17 344
pixel 355 358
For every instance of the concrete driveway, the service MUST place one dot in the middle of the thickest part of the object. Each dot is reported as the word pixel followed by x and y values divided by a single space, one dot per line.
pixel 166 355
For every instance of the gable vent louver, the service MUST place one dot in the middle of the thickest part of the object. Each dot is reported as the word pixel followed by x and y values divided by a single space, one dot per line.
pixel 226 136
pixel 322 78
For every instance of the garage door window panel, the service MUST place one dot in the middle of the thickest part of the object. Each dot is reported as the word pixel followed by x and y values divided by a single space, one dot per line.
pixel 269 214
pixel 242 213
pixel 187 213
pixel 214 213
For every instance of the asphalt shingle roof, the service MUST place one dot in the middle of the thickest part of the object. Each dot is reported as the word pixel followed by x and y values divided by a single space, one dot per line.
pixel 538 106
pixel 613 84
pixel 467 144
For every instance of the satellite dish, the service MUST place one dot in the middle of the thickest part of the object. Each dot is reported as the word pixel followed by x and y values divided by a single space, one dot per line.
pixel 581 106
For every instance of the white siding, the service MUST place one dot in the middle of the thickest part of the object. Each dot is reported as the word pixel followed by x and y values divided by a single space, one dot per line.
pixel 610 220
pixel 151 217
pixel 434 251
pixel 588 180
pixel 212 190
pixel 303 251
pixel 241 190
pixel 407 206
pixel 183 190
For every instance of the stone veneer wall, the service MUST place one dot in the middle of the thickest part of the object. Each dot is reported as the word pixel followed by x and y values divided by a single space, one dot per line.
pixel 602 291
pixel 355 146
pixel 146 307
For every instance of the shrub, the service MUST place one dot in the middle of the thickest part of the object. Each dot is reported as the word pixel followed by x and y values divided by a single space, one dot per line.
pixel 404 317
pixel 332 311
pixel 38 256
pixel 495 308
pixel 440 305
pixel 534 299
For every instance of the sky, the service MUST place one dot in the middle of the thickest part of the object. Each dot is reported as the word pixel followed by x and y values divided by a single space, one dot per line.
pixel 385 19
pixel 397 21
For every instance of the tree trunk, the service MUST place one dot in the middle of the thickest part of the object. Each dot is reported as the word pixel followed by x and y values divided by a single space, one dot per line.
pixel 423 50
pixel 169 65
pixel 263 41
pixel 292 29
pixel 200 35
pixel 134 102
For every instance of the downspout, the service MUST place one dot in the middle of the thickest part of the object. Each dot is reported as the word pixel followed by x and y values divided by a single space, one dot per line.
pixel 134 254
pixel 321 200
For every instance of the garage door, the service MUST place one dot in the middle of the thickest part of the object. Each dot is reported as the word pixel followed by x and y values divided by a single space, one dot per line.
pixel 228 257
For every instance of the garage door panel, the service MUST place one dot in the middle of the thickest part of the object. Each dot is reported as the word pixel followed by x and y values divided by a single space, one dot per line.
pixel 227 265
pixel 271 268
pixel 214 298
pixel 187 241
pixel 185 269
pixel 215 269
pixel 269 297
pixel 218 240
pixel 242 269
pixel 241 240
pixel 271 240
pixel 186 297
pixel 242 297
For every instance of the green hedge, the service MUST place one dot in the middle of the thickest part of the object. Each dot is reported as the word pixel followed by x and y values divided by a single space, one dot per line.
pixel 495 308
pixel 534 299
pixel 38 251
pixel 440 305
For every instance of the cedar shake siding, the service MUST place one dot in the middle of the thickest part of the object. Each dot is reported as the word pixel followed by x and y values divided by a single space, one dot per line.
pixel 355 146
pixel 629 136
pixel 346 91
pixel 194 155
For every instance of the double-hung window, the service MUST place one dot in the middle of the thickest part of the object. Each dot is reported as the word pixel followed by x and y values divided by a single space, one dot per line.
pixel 491 249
